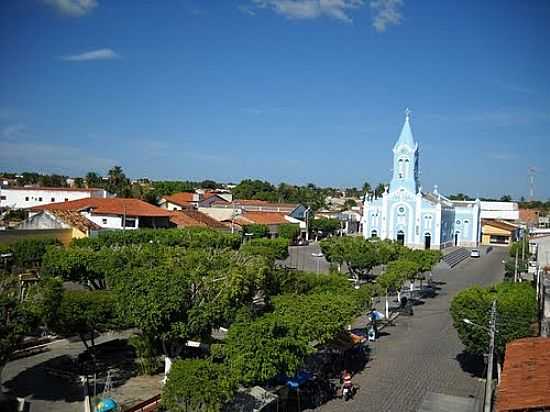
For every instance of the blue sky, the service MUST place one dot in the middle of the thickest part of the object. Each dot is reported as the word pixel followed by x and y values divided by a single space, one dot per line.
pixel 297 91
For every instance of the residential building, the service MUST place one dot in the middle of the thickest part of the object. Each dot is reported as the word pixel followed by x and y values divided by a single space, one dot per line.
pixel 525 380
pixel 193 218
pixel 25 197
pixel 412 217
pixel 187 200
pixel 508 211
pixel 498 232
pixel 273 220
pixel 61 219
pixel 114 213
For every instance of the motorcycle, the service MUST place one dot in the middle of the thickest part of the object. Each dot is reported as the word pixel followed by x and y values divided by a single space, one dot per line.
pixel 347 392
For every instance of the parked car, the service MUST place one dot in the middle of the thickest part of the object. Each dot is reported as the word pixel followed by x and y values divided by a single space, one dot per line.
pixel 475 253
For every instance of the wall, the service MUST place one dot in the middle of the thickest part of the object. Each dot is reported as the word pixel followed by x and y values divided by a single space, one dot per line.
pixel 15 198
pixel 12 236
pixel 109 221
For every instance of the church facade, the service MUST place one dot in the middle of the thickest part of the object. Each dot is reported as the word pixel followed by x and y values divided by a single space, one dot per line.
pixel 416 219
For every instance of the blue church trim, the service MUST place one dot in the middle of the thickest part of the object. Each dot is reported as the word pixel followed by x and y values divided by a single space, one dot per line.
pixel 419 220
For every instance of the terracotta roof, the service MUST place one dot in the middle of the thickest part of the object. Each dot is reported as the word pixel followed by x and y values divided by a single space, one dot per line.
pixel 501 224
pixel 75 219
pixel 194 218
pixel 525 380
pixel 257 203
pixel 181 199
pixel 108 206
pixel 56 189
pixel 262 218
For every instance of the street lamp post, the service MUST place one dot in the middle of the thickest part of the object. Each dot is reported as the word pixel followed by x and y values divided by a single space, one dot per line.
pixel 491 331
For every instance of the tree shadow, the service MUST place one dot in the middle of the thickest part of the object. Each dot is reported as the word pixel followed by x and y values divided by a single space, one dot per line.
pixel 472 364
pixel 59 378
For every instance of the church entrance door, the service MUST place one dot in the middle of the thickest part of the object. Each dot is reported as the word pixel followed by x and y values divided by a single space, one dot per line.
pixel 427 241
pixel 456 238
pixel 401 237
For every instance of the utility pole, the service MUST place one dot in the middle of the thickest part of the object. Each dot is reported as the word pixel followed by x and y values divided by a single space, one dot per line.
pixel 516 267
pixel 489 382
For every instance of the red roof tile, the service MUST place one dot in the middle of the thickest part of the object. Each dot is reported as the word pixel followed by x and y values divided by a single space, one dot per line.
pixel 262 218
pixel 75 219
pixel 194 218
pixel 108 206
pixel 525 382
pixel 181 199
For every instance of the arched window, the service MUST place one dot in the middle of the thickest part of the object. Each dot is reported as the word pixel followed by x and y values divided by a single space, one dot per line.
pixel 406 168
pixel 374 233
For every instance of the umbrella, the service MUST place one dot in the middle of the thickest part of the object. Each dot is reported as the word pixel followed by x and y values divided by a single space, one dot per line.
pixel 375 315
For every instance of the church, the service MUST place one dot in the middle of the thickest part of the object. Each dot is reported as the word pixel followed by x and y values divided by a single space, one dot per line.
pixel 417 219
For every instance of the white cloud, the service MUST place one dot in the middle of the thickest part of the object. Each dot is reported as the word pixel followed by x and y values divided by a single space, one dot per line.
pixel 311 9
pixel 100 54
pixel 73 8
pixel 387 13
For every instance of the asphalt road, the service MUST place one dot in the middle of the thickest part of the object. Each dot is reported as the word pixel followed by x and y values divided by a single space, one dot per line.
pixel 422 353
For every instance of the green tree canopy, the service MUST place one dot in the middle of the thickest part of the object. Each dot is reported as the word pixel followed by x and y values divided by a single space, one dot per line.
pixel 516 311
pixel 198 385
pixel 289 231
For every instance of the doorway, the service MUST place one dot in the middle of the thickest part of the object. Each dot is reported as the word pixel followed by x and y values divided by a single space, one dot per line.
pixel 401 237
pixel 427 241
pixel 456 238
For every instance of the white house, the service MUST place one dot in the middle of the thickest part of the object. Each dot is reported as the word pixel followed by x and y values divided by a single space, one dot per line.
pixel 500 211
pixel 114 213
pixel 25 197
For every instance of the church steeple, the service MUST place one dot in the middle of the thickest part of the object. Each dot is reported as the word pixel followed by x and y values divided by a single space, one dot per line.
pixel 406 137
pixel 405 159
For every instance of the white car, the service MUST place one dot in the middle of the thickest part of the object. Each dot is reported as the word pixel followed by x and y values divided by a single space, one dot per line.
pixel 475 253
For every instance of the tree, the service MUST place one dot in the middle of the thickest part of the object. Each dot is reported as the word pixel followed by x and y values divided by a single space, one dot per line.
pixel 324 226
pixel 28 253
pixel 505 198
pixel 516 312
pixel 289 231
pixel 13 323
pixel 185 297
pixel 366 188
pixel 256 230
pixel 380 189
pixel 349 203
pixel 43 300
pixel 118 183
pixel 84 313
pixel 79 182
pixel 272 249
pixel 93 180
pixel 198 385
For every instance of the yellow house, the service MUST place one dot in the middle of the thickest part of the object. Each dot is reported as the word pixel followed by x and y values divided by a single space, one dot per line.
pixel 497 232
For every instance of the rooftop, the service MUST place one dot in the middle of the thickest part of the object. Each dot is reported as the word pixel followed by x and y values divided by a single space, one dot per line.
pixel 108 206
pixel 262 218
pixel 75 219
pixel 525 383
pixel 55 189
pixel 194 218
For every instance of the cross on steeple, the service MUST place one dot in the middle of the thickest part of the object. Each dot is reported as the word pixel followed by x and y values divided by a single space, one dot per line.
pixel 407 113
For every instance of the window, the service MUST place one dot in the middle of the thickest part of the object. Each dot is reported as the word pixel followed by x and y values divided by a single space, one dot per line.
pixel 2 197
pixel 374 233
pixel 66 199
pixel 458 222
pixel 466 221
pixel 53 199
pixel 26 198
pixel 129 222
pixel 104 221
pixel 401 210
pixel 39 199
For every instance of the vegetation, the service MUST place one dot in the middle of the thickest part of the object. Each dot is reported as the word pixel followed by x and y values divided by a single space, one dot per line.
pixel 289 231
pixel 516 312
pixel 256 231
pixel 28 253
pixel 324 226
pixel 198 385
pixel 272 249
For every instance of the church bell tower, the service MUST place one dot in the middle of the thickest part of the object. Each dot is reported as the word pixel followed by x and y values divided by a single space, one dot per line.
pixel 405 160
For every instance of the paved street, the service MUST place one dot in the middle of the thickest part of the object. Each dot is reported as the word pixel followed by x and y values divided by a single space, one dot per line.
pixel 301 258
pixel 29 378
pixel 420 354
